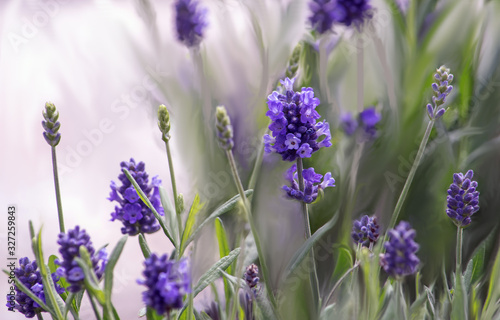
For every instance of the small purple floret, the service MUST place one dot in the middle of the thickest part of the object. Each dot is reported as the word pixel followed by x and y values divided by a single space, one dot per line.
pixel 313 182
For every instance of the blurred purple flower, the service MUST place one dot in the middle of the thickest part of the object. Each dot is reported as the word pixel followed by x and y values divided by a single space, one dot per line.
pixel 295 132
pixel 349 124
pixel 168 281
pixel 347 12
pixel 312 184
pixel 190 22
pixel 365 231
pixel 463 198
pixel 368 118
pixel 132 212
pixel 399 259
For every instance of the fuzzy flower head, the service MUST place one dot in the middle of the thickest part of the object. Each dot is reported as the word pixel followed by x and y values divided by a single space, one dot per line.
pixel 51 125
pixel 463 198
pixel 29 275
pixel 252 276
pixel 399 259
pixel 70 244
pixel 224 128
pixel 295 132
pixel 326 13
pixel 313 183
pixel 442 89
pixel 365 124
pixel 365 231
pixel 131 211
pixel 167 283
pixel 190 22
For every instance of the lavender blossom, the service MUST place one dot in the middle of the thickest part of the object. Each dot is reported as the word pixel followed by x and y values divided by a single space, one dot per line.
pixel 132 211
pixel 366 122
pixel 224 128
pixel 442 89
pixel 168 281
pixel 365 231
pixel 70 244
pixel 295 132
pixel 325 13
pixel 51 125
pixel 312 184
pixel 348 123
pixel 190 22
pixel 31 278
pixel 463 199
pixel 252 276
pixel 399 259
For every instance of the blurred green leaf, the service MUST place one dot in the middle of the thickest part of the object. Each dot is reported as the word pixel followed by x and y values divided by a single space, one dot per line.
pixel 459 304
pixel 491 305
pixel 170 218
pixel 220 232
pixel 344 261
pixel 213 273
pixel 110 266
pixel 188 229
pixel 90 284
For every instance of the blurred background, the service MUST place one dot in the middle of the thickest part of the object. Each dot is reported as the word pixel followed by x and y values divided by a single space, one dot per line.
pixel 107 65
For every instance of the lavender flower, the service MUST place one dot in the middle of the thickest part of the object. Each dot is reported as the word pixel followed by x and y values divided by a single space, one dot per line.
pixel 367 121
pixel 347 12
pixel 349 124
pixel 365 231
pixel 51 125
pixel 168 282
pixel 30 277
pixel 442 89
pixel 190 22
pixel 224 128
pixel 70 243
pixel 294 128
pixel 463 199
pixel 399 259
pixel 312 184
pixel 252 276
pixel 132 212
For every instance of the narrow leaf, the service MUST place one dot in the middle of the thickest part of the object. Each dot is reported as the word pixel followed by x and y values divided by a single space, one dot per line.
pixel 90 285
pixel 220 232
pixel 490 305
pixel 213 274
pixel 110 266
pixel 144 246
pixel 169 211
pixel 459 304
pixel 195 208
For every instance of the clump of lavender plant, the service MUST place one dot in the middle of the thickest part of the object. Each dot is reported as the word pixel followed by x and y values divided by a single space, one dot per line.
pixel 442 89
pixel 366 122
pixel 132 212
pixel 29 275
pixel 224 128
pixel 325 13
pixel 295 132
pixel 190 22
pixel 312 184
pixel 463 198
pixel 365 231
pixel 168 282
pixel 399 259
pixel 70 244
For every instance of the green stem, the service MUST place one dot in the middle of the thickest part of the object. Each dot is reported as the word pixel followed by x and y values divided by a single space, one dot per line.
pixel 174 188
pixel 258 164
pixel 58 191
pixel 399 294
pixel 314 274
pixel 360 62
pixel 253 227
pixel 409 180
pixel 459 251
pixel 337 284
pixel 94 307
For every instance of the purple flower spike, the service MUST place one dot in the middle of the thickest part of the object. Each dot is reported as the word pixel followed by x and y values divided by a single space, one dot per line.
pixel 70 244
pixel 29 275
pixel 313 183
pixel 132 211
pixel 252 277
pixel 399 259
pixel 365 231
pixel 168 281
pixel 347 12
pixel 442 89
pixel 190 22
pixel 294 130
pixel 463 198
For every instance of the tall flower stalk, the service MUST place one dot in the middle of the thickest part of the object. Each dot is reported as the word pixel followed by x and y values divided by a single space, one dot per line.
pixel 53 137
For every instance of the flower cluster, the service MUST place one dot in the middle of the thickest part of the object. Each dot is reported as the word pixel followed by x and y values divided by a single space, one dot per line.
pixel 367 120
pixel 312 184
pixel 224 128
pixel 295 132
pixel 252 276
pixel 399 259
pixel 168 282
pixel 442 89
pixel 70 244
pixel 51 125
pixel 463 199
pixel 347 12
pixel 132 212
pixel 31 278
pixel 190 22
pixel 365 231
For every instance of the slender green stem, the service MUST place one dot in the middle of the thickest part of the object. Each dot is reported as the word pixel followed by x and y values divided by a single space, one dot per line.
pixel 58 191
pixel 258 164
pixel 399 306
pixel 460 231
pixel 174 189
pixel 314 274
pixel 94 306
pixel 406 187
pixel 337 284
pixel 39 316
pixel 253 227
pixel 360 71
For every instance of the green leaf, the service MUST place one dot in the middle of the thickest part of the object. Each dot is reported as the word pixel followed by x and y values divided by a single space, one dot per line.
pixel 170 218
pixel 220 232
pixel 195 208
pixel 144 246
pixel 490 305
pixel 90 284
pixel 468 275
pixel 226 207
pixel 478 262
pixel 344 261
pixel 431 300
pixel 459 304
pixel 265 306
pixel 306 247
pixel 110 266
pixel 418 309
pixel 146 201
